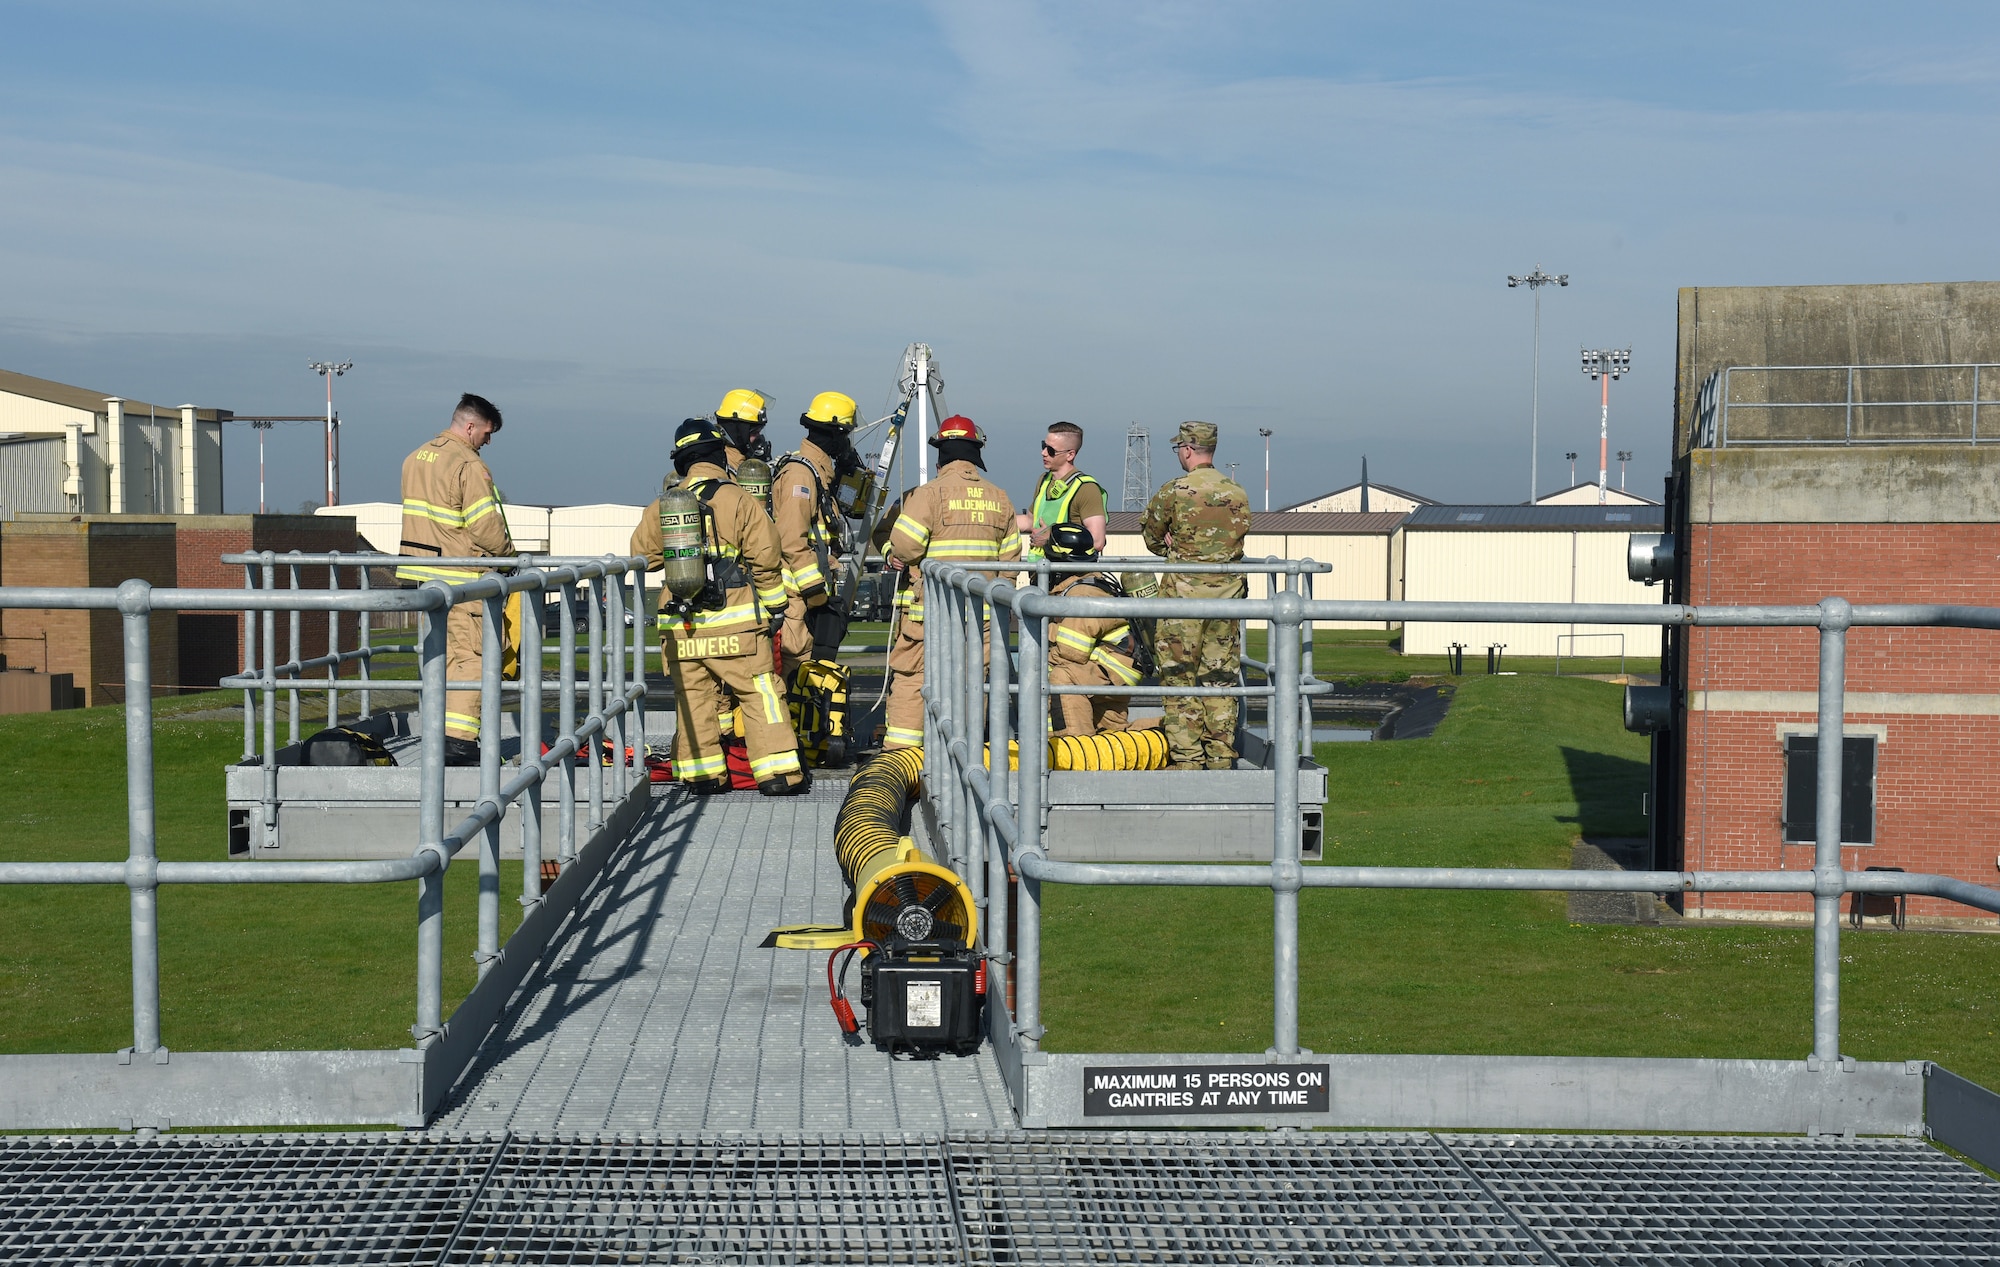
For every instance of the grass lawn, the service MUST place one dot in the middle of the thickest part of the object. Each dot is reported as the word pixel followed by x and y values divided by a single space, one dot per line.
pixel 1372 654
pixel 249 967
pixel 1519 768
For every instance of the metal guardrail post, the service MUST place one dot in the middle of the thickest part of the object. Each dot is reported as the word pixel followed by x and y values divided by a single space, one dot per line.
pixel 937 762
pixel 298 653
pixel 1829 879
pixel 269 699
pixel 994 917
pixel 614 663
pixel 1287 873
pixel 142 861
pixel 640 771
pixel 594 754
pixel 493 641
pixel 430 818
pixel 531 739
pixel 1303 579
pixel 333 648
pixel 971 711
pixel 566 721
pixel 249 667
pixel 1034 711
pixel 366 643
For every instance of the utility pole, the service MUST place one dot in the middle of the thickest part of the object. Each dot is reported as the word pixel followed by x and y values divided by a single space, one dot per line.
pixel 1571 455
pixel 1534 282
pixel 1603 365
pixel 330 370
pixel 1624 456
pixel 1266 433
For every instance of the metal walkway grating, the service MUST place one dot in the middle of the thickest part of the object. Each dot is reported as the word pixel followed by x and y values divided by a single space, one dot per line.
pixel 1741 1201
pixel 235 1199
pixel 992 1200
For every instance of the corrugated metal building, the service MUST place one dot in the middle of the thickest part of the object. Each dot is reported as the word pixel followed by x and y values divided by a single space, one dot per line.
pixel 71 450
pixel 1362 549
pixel 1526 554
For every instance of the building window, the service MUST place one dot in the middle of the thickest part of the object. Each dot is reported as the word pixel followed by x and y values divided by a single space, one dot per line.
pixel 1857 789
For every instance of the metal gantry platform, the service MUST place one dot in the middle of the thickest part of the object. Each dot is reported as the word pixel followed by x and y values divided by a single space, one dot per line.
pixel 985 1198
pixel 659 1011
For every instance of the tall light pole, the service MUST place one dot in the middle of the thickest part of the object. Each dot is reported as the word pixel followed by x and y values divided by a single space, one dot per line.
pixel 1603 365
pixel 1534 282
pixel 330 370
pixel 1624 456
pixel 261 425
pixel 1266 433
pixel 1571 455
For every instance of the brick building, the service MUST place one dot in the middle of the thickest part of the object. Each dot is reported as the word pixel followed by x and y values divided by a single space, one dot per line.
pixel 88 645
pixel 1829 443
pixel 209 645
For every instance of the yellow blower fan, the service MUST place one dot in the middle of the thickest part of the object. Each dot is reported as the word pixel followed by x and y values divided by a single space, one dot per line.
pixel 895 890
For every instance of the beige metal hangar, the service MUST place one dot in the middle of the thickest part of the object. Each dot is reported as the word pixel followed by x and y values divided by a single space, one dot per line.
pixel 1361 548
pixel 1526 554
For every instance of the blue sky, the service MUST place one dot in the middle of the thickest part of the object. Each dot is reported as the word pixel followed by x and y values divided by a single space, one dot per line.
pixel 1298 216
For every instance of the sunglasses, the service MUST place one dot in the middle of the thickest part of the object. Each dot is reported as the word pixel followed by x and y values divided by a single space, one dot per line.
pixel 1052 451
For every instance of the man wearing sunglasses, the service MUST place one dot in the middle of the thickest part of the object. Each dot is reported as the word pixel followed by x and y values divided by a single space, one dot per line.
pixel 1065 495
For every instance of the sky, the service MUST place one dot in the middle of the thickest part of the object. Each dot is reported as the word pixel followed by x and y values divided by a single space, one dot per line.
pixel 1298 216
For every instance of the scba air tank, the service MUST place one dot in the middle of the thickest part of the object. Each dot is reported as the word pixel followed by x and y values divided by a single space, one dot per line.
pixel 681 553
pixel 753 476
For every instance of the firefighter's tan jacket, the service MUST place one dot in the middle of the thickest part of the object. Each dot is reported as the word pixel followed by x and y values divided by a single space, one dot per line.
pixel 801 501
pixel 745 543
pixel 959 517
pixel 450 510
pixel 1103 641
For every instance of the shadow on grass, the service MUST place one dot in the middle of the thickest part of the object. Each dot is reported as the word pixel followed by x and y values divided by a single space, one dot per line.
pixel 1609 792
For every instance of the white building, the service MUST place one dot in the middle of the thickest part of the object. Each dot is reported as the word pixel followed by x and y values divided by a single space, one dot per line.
pixel 603 528
pixel 1526 554
pixel 1586 495
pixel 1381 499
pixel 1361 548
pixel 67 449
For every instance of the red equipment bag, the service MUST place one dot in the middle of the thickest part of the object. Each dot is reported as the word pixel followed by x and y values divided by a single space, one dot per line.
pixel 737 754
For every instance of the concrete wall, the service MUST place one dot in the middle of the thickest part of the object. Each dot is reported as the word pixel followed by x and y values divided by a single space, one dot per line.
pixel 1944 323
pixel 1926 483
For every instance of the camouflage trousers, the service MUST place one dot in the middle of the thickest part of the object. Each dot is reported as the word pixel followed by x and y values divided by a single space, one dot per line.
pixel 1201 730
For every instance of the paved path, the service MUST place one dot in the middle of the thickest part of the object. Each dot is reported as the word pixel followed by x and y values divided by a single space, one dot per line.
pixel 658 1012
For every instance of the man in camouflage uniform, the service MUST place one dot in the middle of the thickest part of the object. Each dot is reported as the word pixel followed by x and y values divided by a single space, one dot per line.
pixel 710 650
pixel 959 517
pixel 1200 516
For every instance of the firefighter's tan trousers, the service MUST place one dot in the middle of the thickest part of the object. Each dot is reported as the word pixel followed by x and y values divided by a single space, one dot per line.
pixel 1085 714
pixel 760 702
pixel 903 717
pixel 464 636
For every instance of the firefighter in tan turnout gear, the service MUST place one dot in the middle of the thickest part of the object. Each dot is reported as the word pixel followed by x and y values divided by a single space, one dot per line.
pixel 810 526
pixel 1088 650
pixel 452 510
pixel 959 517
pixel 724 596
pixel 742 415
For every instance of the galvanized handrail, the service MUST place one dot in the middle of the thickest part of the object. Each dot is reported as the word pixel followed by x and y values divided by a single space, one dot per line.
pixel 991 822
pixel 1716 401
pixel 616 709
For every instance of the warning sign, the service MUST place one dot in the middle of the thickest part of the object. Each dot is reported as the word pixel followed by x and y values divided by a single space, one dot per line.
pixel 1138 1091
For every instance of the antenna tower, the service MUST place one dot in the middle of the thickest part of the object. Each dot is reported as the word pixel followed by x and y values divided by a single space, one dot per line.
pixel 1138 468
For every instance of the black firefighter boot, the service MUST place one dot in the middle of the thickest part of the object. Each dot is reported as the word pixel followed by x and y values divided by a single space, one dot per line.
pixel 776 785
pixel 459 752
